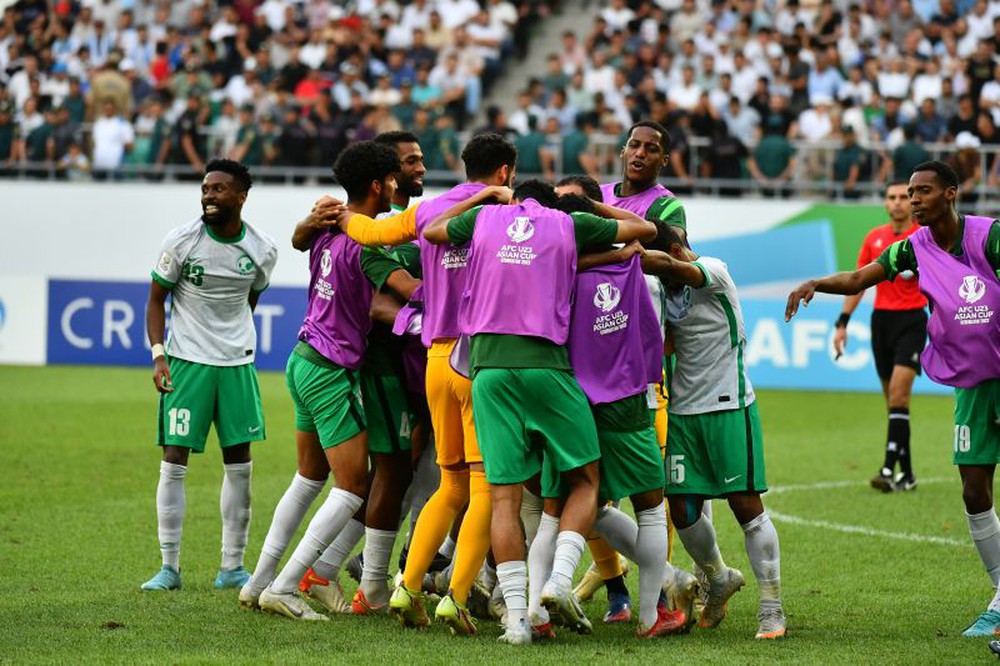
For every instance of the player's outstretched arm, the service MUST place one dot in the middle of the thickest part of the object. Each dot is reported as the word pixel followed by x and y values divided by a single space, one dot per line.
pixel 324 214
pixel 661 264
pixel 156 318
pixel 846 283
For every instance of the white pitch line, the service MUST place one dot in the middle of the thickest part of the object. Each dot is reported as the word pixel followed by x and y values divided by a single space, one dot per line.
pixel 827 485
pixel 866 531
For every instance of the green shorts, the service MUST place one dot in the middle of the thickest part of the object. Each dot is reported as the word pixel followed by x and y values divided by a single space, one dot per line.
pixel 630 456
pixel 327 396
pixel 229 396
pixel 716 454
pixel 525 414
pixel 977 424
pixel 387 411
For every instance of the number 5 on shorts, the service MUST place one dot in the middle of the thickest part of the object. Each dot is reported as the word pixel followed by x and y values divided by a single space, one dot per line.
pixel 675 473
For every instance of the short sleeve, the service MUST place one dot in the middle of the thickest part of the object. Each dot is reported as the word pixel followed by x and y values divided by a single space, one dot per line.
pixel 263 279
pixel 461 228
pixel 668 210
pixel 378 265
pixel 865 253
pixel 897 258
pixel 716 274
pixel 591 230
pixel 167 270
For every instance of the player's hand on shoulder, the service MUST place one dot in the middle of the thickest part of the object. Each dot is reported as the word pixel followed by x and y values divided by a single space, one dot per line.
pixel 631 249
pixel 501 194
pixel 803 293
pixel 326 212
pixel 161 375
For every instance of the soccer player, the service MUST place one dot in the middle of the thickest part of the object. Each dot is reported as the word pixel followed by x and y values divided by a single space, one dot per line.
pixel 214 268
pixel 322 377
pixel 958 260
pixel 489 164
pixel 525 399
pixel 391 418
pixel 899 331
pixel 715 445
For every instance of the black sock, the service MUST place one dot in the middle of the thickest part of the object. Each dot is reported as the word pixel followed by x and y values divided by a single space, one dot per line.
pixel 899 433
pixel 616 585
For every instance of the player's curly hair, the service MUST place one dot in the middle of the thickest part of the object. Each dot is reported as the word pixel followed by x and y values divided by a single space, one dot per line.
pixel 361 164
pixel 486 153
pixel 237 170
pixel 395 137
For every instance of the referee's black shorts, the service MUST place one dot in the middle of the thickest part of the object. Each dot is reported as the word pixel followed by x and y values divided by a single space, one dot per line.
pixel 898 337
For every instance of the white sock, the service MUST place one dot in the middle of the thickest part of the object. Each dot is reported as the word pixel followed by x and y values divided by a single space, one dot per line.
pixel 531 513
pixel 329 563
pixel 234 504
pixel 426 479
pixel 338 508
pixel 170 512
pixel 985 530
pixel 448 547
pixel 651 556
pixel 619 530
pixel 374 575
pixel 699 541
pixel 569 550
pixel 765 557
pixel 540 557
pixel 512 577
pixel 291 509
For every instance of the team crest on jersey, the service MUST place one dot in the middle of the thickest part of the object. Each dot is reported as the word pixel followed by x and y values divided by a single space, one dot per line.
pixel 972 289
pixel 521 229
pixel 326 263
pixel 244 264
pixel 607 296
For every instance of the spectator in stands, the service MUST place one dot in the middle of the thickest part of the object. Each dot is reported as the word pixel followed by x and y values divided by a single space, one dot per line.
pixel 533 155
pixel 979 71
pixel 452 82
pixel 929 124
pixel 350 83
pixel 891 120
pixel 905 156
pixel 8 135
pixel 555 76
pixel 968 164
pixel 573 57
pixel 74 165
pixel 64 132
pixel 600 76
pixel 686 94
pixel 725 158
pixel 438 34
pixel 39 145
pixel 824 79
pixel 743 122
pixel 155 131
pixel 520 120
pixel 560 109
pixel 426 94
pixel 687 22
pixel 773 164
pixel 113 137
pixel 851 164
pixel 989 96
pixel 964 119
pixel 224 129
pixel 187 143
pixel 496 123
pixel 903 21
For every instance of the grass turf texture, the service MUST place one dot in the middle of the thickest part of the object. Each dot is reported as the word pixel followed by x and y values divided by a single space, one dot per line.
pixel 78 536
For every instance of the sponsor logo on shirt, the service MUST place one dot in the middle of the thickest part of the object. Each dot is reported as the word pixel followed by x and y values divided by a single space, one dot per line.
pixel 972 290
pixel 244 264
pixel 521 229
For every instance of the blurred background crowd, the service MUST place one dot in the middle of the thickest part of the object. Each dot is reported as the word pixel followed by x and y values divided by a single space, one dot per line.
pixel 829 97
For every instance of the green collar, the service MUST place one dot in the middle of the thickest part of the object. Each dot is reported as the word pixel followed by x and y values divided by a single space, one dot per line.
pixel 234 239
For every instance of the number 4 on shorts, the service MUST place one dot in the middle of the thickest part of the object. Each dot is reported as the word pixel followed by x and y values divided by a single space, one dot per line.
pixel 675 469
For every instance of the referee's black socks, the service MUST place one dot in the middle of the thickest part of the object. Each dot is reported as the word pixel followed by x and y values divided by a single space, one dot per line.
pixel 897 446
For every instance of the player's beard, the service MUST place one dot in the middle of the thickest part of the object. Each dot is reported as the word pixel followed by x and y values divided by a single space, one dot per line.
pixel 218 219
pixel 409 188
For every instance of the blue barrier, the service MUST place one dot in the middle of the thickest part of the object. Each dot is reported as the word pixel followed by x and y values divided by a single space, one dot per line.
pixel 799 354
pixel 103 323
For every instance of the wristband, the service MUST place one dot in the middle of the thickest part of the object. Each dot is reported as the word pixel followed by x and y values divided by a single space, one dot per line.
pixel 842 320
pixel 157 350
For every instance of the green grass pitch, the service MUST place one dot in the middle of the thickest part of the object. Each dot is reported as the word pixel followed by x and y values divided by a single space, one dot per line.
pixel 867 578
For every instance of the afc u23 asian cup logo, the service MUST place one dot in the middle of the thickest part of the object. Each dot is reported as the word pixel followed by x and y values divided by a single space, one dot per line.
pixel 972 289
pixel 607 296
pixel 521 229
pixel 326 263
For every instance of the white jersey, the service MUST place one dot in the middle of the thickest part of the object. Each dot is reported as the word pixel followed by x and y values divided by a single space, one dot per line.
pixel 709 338
pixel 210 279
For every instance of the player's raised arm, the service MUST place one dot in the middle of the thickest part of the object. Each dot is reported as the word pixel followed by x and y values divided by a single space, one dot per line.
pixel 845 283
pixel 324 214
pixel 393 230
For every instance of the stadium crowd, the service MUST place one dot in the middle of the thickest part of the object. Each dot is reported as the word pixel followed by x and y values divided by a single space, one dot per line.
pixel 276 82
pixel 773 91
